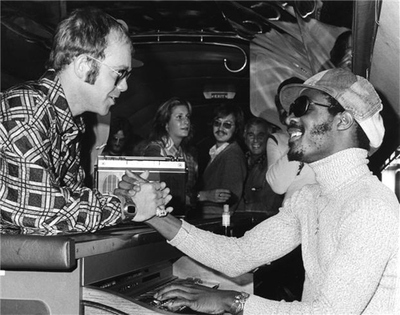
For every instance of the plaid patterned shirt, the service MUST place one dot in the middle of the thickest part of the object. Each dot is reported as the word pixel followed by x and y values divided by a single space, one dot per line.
pixel 41 180
pixel 191 164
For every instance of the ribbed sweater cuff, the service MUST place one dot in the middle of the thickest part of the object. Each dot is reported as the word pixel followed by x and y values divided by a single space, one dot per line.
pixel 182 234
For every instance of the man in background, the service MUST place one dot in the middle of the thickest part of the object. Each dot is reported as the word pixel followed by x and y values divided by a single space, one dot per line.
pixel 258 195
pixel 223 178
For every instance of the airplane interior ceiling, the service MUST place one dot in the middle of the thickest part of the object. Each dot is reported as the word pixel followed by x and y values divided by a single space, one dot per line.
pixel 206 50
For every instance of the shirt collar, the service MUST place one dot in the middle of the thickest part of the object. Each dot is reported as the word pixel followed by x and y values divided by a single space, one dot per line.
pixel 171 149
pixel 251 163
pixel 51 85
pixel 214 151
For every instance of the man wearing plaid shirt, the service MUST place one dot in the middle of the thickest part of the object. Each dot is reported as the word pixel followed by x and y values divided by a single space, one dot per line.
pixel 41 179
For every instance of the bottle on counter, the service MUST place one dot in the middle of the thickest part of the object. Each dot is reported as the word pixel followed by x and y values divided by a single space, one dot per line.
pixel 226 221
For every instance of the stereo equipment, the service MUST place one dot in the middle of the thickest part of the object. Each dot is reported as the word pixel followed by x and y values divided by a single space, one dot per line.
pixel 110 169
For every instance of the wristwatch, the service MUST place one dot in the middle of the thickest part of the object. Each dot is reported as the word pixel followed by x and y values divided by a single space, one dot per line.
pixel 238 303
pixel 130 209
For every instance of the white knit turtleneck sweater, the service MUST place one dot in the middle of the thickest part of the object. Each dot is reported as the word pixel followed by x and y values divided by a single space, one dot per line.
pixel 347 224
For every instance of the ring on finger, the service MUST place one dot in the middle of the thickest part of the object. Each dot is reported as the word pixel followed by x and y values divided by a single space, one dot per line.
pixel 161 212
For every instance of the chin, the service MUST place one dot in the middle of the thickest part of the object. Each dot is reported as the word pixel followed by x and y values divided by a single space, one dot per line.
pixel 257 152
pixel 220 139
pixel 104 113
pixel 295 156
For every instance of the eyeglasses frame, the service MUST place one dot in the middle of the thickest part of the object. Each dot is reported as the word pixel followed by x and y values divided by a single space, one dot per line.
pixel 218 124
pixel 120 76
pixel 307 106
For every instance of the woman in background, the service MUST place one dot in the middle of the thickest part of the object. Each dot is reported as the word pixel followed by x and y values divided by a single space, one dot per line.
pixel 170 137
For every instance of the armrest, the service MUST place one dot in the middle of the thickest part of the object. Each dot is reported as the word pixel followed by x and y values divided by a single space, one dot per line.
pixel 39 253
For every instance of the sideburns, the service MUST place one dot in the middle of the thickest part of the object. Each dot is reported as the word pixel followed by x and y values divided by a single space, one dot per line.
pixel 91 76
pixel 322 128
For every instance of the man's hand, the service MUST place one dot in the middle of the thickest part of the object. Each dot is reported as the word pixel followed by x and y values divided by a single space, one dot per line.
pixel 149 197
pixel 217 195
pixel 199 298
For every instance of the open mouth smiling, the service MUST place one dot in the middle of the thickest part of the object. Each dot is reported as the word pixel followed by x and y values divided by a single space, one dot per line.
pixel 295 134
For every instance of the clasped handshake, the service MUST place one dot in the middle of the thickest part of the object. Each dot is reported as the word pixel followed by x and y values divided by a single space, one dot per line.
pixel 149 199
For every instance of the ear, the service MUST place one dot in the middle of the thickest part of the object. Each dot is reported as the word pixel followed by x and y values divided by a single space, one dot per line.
pixel 346 120
pixel 81 66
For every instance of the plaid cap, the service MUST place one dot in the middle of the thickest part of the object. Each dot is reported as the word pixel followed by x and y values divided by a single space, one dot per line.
pixel 355 93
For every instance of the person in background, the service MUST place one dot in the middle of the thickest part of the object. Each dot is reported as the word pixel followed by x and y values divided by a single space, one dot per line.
pixel 258 195
pixel 41 178
pixel 119 140
pixel 342 52
pixel 284 176
pixel 170 137
pixel 223 178
pixel 347 222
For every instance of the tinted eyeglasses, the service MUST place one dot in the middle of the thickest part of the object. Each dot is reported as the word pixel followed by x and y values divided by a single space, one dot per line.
pixel 121 74
pixel 301 105
pixel 225 124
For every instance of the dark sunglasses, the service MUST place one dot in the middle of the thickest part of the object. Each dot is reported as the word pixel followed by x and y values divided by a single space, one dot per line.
pixel 301 105
pixel 226 124
pixel 121 74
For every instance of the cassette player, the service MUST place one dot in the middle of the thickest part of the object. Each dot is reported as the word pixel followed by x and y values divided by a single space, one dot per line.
pixel 110 169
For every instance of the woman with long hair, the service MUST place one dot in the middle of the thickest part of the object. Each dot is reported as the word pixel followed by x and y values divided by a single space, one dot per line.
pixel 170 137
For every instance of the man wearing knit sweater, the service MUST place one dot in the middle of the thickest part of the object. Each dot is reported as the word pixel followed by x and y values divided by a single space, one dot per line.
pixel 347 223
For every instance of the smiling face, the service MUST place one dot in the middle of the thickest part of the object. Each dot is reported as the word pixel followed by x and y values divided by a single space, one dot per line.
pixel 224 129
pixel 256 139
pixel 178 126
pixel 312 136
pixel 100 96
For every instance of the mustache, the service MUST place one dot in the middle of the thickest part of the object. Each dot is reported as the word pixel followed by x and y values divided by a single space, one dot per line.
pixel 294 125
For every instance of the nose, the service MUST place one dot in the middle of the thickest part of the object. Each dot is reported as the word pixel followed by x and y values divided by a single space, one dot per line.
pixel 289 118
pixel 123 85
